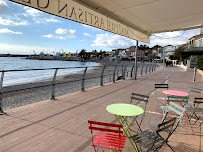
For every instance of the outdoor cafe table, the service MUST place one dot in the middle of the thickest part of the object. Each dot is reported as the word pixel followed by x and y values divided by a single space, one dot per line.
pixel 122 111
pixel 175 93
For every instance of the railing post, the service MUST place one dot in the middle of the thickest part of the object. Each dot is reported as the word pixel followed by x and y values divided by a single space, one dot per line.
pixel 124 72
pixel 142 68
pixel 54 85
pixel 1 94
pixel 146 69
pixel 150 68
pixel 114 74
pixel 131 75
pixel 102 76
pixel 83 80
pixel 153 67
pixel 194 75
pixel 117 71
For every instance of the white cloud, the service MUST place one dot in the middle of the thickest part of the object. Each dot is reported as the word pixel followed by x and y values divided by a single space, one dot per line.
pixel 5 30
pixel 3 7
pixel 31 12
pixel 12 23
pixel 87 34
pixel 45 20
pixel 52 20
pixel 172 38
pixel 69 33
pixel 91 27
pixel 54 37
pixel 112 41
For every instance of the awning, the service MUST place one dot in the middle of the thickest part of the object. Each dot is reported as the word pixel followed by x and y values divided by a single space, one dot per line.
pixel 136 19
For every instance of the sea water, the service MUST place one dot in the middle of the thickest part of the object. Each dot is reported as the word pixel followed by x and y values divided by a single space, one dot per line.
pixel 16 63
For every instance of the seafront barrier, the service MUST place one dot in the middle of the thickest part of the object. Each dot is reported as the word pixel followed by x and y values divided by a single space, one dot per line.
pixel 26 93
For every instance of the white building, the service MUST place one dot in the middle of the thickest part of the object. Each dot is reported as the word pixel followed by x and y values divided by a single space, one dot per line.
pixel 169 50
pixel 196 41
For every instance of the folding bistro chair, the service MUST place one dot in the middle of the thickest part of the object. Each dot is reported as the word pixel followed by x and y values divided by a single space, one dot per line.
pixel 160 87
pixel 197 92
pixel 140 99
pixel 154 140
pixel 107 138
pixel 177 111
pixel 193 111
pixel 172 100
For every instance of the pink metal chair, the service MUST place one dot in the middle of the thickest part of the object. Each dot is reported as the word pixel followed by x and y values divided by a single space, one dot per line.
pixel 107 138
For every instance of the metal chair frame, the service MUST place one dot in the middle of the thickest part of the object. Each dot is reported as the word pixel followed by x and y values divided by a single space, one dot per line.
pixel 197 91
pixel 152 140
pixel 194 109
pixel 140 98
pixel 160 86
pixel 107 138
pixel 171 100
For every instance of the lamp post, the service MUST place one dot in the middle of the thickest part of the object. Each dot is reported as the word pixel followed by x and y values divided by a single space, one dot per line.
pixel 135 67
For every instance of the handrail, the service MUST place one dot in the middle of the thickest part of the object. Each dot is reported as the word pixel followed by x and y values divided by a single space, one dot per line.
pixel 116 72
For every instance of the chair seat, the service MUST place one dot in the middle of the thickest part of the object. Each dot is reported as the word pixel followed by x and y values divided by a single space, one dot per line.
pixel 190 109
pixel 109 141
pixel 146 139
pixel 161 98
pixel 165 108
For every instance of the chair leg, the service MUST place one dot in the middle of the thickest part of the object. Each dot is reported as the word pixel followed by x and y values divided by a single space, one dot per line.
pixel 170 147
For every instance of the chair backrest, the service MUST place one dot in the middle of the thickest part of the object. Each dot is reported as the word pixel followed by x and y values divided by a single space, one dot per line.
pixel 106 127
pixel 164 131
pixel 198 100
pixel 162 86
pixel 167 127
pixel 101 126
pixel 139 97
pixel 176 108
pixel 195 90
pixel 177 99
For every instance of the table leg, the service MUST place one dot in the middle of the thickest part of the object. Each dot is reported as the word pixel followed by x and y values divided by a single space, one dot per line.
pixel 126 132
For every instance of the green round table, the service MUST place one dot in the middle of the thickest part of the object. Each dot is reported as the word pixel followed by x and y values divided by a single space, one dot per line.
pixel 123 109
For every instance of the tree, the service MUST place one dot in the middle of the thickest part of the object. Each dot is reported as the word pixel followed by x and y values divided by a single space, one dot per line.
pixel 82 53
pixel 177 53
pixel 200 62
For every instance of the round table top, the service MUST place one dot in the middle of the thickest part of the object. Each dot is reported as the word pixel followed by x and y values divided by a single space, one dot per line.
pixel 176 93
pixel 123 109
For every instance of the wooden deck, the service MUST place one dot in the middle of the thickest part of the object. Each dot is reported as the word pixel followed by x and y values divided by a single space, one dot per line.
pixel 61 125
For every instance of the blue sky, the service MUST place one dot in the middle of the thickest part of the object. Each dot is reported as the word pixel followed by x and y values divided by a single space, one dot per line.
pixel 24 29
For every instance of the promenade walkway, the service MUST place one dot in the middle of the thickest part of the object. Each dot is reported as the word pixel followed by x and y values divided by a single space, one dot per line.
pixel 61 125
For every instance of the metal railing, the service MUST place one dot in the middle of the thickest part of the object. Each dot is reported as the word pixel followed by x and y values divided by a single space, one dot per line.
pixel 106 74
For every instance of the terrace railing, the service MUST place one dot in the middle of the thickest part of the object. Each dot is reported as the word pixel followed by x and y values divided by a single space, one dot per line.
pixel 87 78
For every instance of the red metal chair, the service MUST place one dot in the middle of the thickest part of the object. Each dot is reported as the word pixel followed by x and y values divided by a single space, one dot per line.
pixel 109 136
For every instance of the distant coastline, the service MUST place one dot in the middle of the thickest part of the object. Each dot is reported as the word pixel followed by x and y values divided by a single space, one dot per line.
pixel 14 55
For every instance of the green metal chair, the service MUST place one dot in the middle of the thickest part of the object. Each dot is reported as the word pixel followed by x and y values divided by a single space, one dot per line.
pixel 178 109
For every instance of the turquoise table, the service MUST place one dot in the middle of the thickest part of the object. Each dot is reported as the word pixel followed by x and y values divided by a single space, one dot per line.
pixel 122 111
